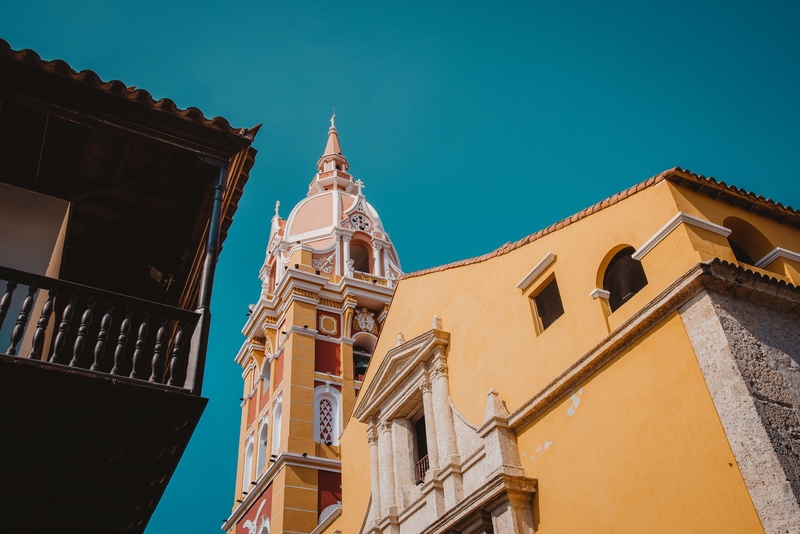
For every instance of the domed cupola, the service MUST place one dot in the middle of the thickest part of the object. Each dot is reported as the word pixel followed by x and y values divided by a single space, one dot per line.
pixel 339 232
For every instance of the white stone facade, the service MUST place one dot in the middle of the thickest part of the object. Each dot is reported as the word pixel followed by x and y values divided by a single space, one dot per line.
pixel 474 482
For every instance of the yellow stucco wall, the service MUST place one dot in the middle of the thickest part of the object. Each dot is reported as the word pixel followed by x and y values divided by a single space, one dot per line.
pixel 638 448
pixel 645 451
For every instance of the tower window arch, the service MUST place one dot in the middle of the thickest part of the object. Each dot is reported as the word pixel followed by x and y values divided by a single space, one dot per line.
pixel 277 414
pixel 328 417
pixel 624 277
pixel 747 243
pixel 360 256
pixel 262 447
pixel 363 348
pixel 247 476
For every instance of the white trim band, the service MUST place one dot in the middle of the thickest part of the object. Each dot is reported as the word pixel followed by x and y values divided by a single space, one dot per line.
pixel 673 223
pixel 545 262
pixel 776 253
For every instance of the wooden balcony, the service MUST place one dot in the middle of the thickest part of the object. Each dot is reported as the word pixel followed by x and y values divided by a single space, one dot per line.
pixel 125 202
pixel 97 406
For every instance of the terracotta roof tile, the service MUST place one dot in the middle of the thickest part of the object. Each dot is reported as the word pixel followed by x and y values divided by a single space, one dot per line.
pixel 120 90
pixel 676 174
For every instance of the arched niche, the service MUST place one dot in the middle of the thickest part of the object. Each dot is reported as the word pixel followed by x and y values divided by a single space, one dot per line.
pixel 247 476
pixel 623 277
pixel 748 244
pixel 277 413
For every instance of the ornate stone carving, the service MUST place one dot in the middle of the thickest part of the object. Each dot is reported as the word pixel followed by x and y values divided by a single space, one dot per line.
pixel 425 386
pixel 439 370
pixel 303 292
pixel 385 426
pixel 364 320
pixel 372 435
pixel 324 264
pixel 330 303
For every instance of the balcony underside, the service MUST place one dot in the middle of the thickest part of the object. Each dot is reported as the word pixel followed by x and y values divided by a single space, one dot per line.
pixel 84 451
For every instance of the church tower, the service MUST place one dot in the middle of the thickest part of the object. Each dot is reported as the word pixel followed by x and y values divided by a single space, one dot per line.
pixel 327 280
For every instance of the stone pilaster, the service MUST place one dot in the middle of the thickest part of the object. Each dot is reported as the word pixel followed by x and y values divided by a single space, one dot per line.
pixel 430 426
pixel 449 460
pixel 345 252
pixel 338 239
pixel 386 461
pixel 514 515
pixel 376 259
pixel 499 441
pixel 374 461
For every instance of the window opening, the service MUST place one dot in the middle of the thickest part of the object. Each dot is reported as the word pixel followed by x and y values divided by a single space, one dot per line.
pixel 361 357
pixel 360 257
pixel 548 306
pixel 747 243
pixel 624 277
pixel 325 421
pixel 421 461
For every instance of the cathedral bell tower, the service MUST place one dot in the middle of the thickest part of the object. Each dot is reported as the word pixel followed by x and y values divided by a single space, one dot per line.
pixel 327 280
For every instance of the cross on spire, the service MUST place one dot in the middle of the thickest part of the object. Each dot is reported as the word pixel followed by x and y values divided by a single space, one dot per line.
pixel 359 184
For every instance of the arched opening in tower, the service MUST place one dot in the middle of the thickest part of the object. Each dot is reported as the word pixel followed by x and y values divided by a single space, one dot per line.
pixel 360 256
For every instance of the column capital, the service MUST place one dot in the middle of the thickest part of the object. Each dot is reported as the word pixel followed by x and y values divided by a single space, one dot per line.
pixel 385 426
pixel 439 370
pixel 372 435
pixel 425 385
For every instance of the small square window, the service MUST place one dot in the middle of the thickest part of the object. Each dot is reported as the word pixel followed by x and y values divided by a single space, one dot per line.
pixel 547 305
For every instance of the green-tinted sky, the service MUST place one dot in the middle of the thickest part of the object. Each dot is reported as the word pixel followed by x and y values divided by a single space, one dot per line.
pixel 472 124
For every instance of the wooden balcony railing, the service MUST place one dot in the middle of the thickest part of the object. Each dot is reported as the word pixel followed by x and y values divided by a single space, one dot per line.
pixel 133 337
pixel 421 468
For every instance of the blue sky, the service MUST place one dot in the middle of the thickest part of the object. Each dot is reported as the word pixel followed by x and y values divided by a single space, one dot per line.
pixel 471 124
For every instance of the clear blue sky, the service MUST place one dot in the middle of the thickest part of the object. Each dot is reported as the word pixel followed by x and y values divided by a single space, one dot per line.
pixel 471 124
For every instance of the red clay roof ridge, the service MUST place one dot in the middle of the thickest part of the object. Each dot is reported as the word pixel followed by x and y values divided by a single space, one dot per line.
pixel 120 89
pixel 675 173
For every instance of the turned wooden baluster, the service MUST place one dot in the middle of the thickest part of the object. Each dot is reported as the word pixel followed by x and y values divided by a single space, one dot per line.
pixel 22 320
pixel 5 302
pixel 61 337
pixel 41 327
pixel 119 352
pixel 102 336
pixel 158 350
pixel 138 352
pixel 80 338
pixel 175 361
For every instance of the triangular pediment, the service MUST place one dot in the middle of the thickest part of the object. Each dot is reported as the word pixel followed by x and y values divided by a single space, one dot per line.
pixel 398 363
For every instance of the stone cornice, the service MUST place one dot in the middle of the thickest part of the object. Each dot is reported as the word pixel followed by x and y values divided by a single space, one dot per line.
pixel 480 499
pixel 776 253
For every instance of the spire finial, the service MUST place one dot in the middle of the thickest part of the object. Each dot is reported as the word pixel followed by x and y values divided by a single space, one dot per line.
pixel 277 207
pixel 333 117
pixel 360 185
